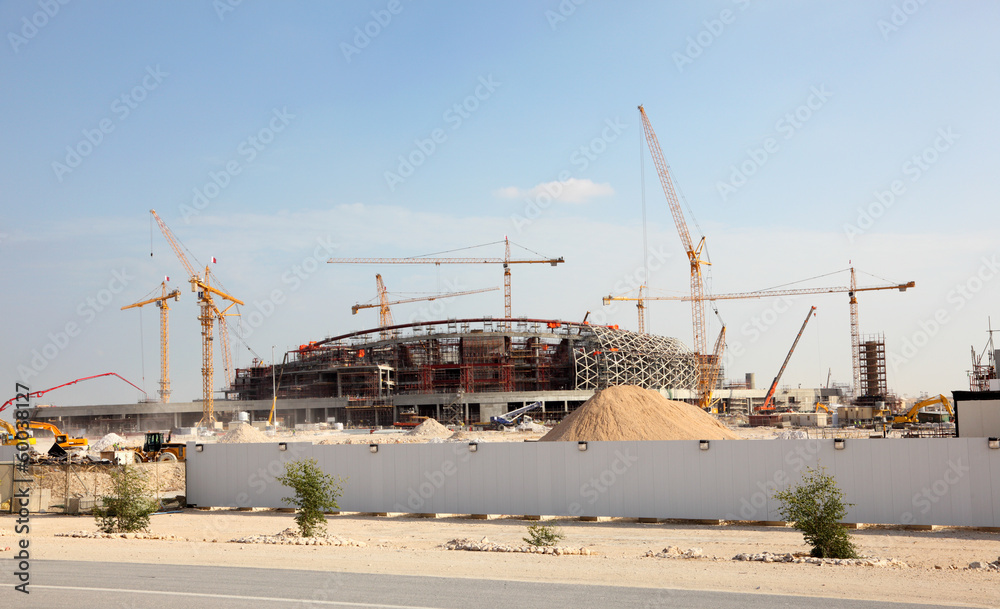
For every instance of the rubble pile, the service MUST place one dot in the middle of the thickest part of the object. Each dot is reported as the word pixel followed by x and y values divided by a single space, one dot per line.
pixel 100 535
pixel 676 552
pixel 290 537
pixel 485 545
pixel 864 561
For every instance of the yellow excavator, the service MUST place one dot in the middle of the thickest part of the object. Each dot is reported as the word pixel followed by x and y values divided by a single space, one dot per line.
pixel 911 416
pixel 8 434
pixel 62 440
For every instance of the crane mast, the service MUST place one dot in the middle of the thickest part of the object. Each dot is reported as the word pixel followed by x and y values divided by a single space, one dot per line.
pixel 208 313
pixel 162 302
pixel 694 260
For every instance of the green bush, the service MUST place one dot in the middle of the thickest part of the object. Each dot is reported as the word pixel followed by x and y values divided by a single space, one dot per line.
pixel 127 508
pixel 816 507
pixel 315 493
pixel 540 535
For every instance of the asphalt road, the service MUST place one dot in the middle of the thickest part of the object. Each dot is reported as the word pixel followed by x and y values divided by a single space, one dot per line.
pixel 123 585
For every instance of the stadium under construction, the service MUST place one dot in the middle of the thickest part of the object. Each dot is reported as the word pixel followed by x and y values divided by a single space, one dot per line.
pixel 467 370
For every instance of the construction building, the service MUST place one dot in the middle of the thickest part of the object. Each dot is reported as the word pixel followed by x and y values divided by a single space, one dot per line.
pixel 467 370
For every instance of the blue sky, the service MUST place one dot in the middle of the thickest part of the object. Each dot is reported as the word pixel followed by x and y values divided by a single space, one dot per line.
pixel 266 136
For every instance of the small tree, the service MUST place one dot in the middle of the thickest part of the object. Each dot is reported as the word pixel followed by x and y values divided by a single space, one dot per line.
pixel 127 508
pixel 540 535
pixel 816 508
pixel 315 493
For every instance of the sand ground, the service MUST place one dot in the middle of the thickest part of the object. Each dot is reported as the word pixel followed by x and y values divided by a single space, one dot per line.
pixel 411 546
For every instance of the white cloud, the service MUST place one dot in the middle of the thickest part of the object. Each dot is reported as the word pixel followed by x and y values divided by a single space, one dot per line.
pixel 570 191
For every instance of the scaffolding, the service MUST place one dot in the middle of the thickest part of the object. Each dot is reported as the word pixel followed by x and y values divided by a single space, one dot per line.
pixel 469 356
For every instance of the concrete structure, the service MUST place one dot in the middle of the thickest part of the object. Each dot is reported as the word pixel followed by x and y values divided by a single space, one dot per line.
pixel 948 481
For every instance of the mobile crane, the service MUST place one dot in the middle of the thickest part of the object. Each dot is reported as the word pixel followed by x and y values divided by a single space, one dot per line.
pixel 510 419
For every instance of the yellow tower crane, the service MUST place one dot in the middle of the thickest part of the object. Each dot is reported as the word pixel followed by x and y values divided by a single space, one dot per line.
pixel 164 306
pixel 385 314
pixel 201 284
pixel 506 261
pixel 851 290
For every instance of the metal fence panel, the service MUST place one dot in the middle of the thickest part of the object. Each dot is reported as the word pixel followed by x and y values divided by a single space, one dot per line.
pixel 953 481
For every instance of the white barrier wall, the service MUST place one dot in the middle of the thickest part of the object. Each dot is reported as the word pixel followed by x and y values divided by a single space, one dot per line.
pixel 953 481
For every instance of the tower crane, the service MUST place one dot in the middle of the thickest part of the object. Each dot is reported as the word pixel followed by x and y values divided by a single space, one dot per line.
pixel 201 284
pixel 769 398
pixel 162 302
pixel 506 261
pixel 695 261
pixel 385 314
pixel 851 290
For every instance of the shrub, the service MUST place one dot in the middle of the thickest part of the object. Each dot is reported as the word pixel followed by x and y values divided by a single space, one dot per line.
pixel 315 493
pixel 127 508
pixel 544 536
pixel 816 508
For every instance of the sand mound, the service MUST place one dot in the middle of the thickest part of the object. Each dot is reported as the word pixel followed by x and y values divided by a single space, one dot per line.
pixel 627 412
pixel 244 434
pixel 430 429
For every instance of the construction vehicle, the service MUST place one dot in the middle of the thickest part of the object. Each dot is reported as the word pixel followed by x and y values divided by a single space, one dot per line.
pixel 8 434
pixel 155 449
pixel 823 407
pixel 510 419
pixel 409 420
pixel 911 418
pixel 64 441
pixel 769 400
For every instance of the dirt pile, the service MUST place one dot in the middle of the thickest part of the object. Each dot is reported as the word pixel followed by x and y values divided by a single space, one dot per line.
pixel 430 429
pixel 627 412
pixel 108 442
pixel 244 434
